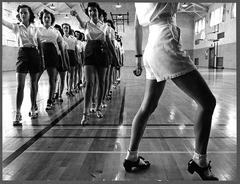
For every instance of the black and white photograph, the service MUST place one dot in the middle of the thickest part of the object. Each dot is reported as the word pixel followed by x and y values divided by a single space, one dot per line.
pixel 119 91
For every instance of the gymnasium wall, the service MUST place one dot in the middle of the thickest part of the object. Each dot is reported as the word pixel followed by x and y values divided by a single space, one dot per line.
pixel 226 45
pixel 9 58
pixel 184 21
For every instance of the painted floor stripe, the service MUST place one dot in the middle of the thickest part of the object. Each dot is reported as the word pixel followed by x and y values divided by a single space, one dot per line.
pixel 122 152
pixel 33 139
pixel 119 137
pixel 110 128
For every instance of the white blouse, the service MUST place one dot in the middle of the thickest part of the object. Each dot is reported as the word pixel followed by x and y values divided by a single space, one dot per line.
pixel 96 31
pixel 25 35
pixel 71 41
pixel 49 35
pixel 79 46
pixel 65 45
pixel 84 43
pixel 149 13
pixel 111 34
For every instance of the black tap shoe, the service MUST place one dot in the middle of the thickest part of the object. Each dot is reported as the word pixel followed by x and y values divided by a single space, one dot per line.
pixel 192 166
pixel 129 165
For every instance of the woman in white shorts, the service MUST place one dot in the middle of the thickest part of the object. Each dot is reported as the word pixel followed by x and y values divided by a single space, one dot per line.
pixel 163 59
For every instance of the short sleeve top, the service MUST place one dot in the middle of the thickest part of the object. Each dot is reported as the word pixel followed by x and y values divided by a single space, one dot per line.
pixel 25 35
pixel 79 46
pixel 150 13
pixel 65 45
pixel 71 41
pixel 84 43
pixel 96 31
pixel 121 49
pixel 49 35
pixel 111 34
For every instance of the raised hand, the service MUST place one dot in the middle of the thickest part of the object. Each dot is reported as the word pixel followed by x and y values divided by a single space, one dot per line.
pixel 73 13
pixel 137 71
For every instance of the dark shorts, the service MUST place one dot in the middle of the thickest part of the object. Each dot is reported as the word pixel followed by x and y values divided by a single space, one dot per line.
pixel 109 57
pixel 29 60
pixel 50 55
pixel 72 58
pixel 96 53
pixel 62 66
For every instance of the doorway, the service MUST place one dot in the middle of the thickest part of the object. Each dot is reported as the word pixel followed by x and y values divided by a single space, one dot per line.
pixel 211 60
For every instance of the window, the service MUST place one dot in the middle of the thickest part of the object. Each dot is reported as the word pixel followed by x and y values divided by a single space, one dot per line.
pixel 200 26
pixel 233 10
pixel 216 17
pixel 8 37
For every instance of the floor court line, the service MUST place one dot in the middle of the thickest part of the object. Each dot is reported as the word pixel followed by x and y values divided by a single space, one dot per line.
pixel 120 137
pixel 125 125
pixel 111 128
pixel 121 152
pixel 33 139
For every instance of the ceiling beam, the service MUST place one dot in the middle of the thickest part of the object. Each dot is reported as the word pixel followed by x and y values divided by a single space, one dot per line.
pixel 45 5
pixel 191 5
pixel 68 5
pixel 201 6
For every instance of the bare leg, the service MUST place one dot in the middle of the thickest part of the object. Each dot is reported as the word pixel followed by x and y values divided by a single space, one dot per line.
pixel 62 82
pixel 94 89
pixel 106 83
pixel 153 91
pixel 194 85
pixel 89 71
pixel 109 80
pixel 67 79
pixel 101 84
pixel 21 77
pixel 71 76
pixel 34 77
pixel 52 73
pixel 79 75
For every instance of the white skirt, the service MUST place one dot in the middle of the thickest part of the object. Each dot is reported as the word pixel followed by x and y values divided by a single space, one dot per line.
pixel 163 58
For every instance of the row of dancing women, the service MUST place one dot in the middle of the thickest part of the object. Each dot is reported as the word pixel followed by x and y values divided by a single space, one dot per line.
pixel 91 60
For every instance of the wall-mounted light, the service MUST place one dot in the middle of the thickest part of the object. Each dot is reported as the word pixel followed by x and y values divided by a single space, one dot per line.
pixel 184 5
pixel 119 16
pixel 118 5
pixel 52 6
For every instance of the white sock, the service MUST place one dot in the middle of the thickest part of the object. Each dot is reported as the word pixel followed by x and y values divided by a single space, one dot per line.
pixel 132 155
pixel 201 160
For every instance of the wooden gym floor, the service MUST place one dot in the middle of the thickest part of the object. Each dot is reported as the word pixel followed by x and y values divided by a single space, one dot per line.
pixel 56 147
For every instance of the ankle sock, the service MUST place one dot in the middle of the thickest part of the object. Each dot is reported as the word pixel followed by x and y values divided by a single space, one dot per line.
pixel 132 155
pixel 201 160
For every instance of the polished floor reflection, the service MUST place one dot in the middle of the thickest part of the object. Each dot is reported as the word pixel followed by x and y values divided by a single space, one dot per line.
pixel 56 147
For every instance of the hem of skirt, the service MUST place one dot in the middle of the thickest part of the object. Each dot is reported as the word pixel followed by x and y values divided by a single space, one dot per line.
pixel 176 74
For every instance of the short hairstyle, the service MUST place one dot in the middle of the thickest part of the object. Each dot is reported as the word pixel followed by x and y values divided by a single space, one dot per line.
pixel 111 23
pixel 46 12
pixel 83 36
pixel 57 26
pixel 32 16
pixel 71 32
pixel 104 14
pixel 80 35
pixel 70 29
pixel 93 4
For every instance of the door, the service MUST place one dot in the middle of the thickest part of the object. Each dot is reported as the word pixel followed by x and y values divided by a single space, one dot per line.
pixel 211 58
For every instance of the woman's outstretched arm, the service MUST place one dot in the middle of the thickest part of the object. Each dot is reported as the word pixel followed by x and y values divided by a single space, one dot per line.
pixel 81 22
pixel 7 24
